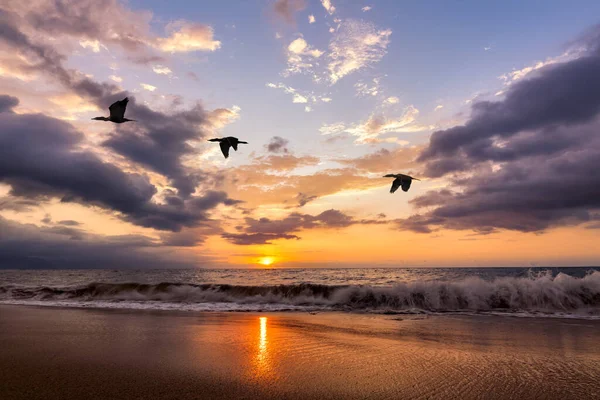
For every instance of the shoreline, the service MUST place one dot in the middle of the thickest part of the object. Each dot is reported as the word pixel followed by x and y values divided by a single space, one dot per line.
pixel 123 354
pixel 289 309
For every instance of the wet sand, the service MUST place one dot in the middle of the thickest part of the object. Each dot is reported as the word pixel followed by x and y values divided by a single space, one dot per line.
pixel 100 354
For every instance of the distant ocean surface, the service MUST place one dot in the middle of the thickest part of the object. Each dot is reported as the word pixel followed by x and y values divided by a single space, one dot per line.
pixel 530 292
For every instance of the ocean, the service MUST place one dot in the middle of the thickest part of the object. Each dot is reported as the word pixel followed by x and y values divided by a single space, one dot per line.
pixel 524 292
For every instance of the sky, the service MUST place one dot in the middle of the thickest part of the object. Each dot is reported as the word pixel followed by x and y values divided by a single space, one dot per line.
pixel 494 106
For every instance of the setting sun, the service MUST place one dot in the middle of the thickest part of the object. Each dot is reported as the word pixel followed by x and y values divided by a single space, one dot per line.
pixel 266 261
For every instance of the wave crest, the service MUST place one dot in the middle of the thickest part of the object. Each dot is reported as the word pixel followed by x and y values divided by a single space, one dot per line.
pixel 540 293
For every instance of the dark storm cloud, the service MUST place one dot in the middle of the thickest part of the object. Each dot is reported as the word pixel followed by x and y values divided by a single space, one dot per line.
pixel 527 195
pixel 157 141
pixel 28 246
pixel 564 94
pixel 277 144
pixel 7 103
pixel 264 230
pixel 40 159
pixel 532 158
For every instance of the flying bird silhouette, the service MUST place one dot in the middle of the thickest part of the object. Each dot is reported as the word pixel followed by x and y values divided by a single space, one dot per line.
pixel 401 180
pixel 227 142
pixel 117 112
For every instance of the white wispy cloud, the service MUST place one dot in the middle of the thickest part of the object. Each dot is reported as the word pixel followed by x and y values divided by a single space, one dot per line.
pixel 93 45
pixel 369 131
pixel 438 107
pixel 356 44
pixel 162 70
pixel 366 8
pixel 116 78
pixel 518 74
pixel 186 36
pixel 364 89
pixel 391 100
pixel 301 56
pixel 328 6
pixel 332 129
pixel 148 87
pixel 311 19
pixel 298 96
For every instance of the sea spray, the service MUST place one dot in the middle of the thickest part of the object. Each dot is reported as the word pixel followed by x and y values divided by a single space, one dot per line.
pixel 536 293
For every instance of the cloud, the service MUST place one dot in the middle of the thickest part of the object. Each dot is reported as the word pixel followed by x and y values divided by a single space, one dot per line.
pixel 391 100
pixel 328 6
pixel 31 246
pixel 304 199
pixel 92 23
pixel 162 70
pixel 94 45
pixel 366 8
pixel 148 87
pixel 377 124
pixel 356 45
pixel 301 56
pixel 363 89
pixel 277 144
pixel 438 107
pixel 286 9
pixel 284 162
pixel 68 222
pixel 246 239
pixel 259 186
pixel 17 204
pixel 332 129
pixel 264 230
pixel 116 78
pixel 561 94
pixel 384 161
pixel 158 140
pixel 525 163
pixel 311 19
pixel 7 103
pixel 40 159
pixel 186 36
pixel 299 97
pixel 96 25
pixel 518 74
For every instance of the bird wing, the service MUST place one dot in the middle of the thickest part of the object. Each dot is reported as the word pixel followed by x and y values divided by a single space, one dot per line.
pixel 225 148
pixel 234 144
pixel 395 185
pixel 406 184
pixel 117 109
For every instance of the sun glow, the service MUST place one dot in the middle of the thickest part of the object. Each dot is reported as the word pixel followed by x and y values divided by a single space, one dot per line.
pixel 266 261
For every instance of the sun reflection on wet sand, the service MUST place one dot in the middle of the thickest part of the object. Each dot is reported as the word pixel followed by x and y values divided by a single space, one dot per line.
pixel 262 361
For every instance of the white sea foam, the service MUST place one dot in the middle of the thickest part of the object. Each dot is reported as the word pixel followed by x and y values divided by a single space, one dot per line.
pixel 536 295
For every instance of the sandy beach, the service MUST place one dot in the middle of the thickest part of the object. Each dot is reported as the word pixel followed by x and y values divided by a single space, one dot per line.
pixel 100 354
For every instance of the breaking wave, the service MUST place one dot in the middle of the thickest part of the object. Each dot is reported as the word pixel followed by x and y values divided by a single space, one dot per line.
pixel 541 294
